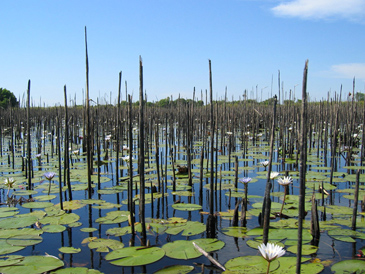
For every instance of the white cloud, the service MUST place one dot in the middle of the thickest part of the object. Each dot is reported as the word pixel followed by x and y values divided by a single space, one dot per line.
pixel 349 70
pixel 321 9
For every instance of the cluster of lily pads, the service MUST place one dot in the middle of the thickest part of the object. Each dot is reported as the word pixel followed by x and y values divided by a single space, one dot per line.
pixel 24 224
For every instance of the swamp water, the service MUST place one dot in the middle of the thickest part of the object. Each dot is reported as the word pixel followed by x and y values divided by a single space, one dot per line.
pixel 88 230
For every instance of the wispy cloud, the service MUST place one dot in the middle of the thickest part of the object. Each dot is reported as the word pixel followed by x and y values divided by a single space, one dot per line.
pixel 349 70
pixel 322 9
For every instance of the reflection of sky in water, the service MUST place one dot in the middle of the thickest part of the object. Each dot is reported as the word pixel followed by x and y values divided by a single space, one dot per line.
pixel 329 249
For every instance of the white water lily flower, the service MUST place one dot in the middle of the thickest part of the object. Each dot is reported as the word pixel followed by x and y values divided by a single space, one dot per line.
pixel 284 181
pixel 274 174
pixel 9 182
pixel 271 251
pixel 49 175
pixel 126 158
pixel 264 163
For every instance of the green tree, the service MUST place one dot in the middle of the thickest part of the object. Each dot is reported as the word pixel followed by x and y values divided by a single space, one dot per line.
pixel 5 97
pixel 359 96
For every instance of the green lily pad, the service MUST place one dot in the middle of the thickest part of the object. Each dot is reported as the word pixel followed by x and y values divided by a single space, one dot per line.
pixel 349 266
pixel 64 219
pixel 114 217
pixel 8 211
pixel 306 249
pixel 235 231
pixel 346 235
pixel 55 228
pixel 69 250
pixel 175 269
pixel 119 231
pixel 186 207
pixel 37 204
pixel 250 264
pixel 17 222
pixel 33 265
pixel 76 270
pixel 71 205
pixel 185 250
pixel 189 228
pixel 45 197
pixel 6 248
pixel 135 255
pixel 11 260
pixel 103 245
pixel 24 240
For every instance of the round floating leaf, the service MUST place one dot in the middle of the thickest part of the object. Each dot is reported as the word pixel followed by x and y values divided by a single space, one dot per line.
pixel 17 222
pixel 175 269
pixel 119 231
pixel 11 260
pixel 349 266
pixel 88 229
pixel 24 240
pixel 53 228
pixel 71 205
pixel 235 231
pixel 69 250
pixel 250 264
pixel 6 248
pixel 37 204
pixel 8 211
pixel 77 270
pixel 185 250
pixel 25 192
pixel 186 207
pixel 64 219
pixel 75 224
pixel 306 249
pixel 114 217
pixel 103 245
pixel 34 265
pixel 45 197
pixel 135 255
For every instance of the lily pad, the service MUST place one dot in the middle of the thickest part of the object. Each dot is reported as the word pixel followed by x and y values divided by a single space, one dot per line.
pixel 186 207
pixel 103 245
pixel 189 228
pixel 69 250
pixel 250 264
pixel 24 240
pixel 349 266
pixel 37 204
pixel 54 228
pixel 17 222
pixel 135 255
pixel 33 265
pixel 185 250
pixel 175 269
pixel 235 231
pixel 6 248
pixel 306 249
pixel 77 270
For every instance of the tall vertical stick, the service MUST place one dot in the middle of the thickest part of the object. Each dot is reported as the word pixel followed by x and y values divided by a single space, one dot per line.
pixel 141 155
pixel 266 207
pixel 211 221
pixel 28 140
pixel 117 131
pixel 303 167
pixel 88 135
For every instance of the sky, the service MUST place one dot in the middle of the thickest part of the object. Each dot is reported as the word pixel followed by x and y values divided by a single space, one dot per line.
pixel 248 42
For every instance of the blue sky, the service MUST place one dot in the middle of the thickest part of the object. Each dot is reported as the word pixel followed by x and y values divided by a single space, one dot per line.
pixel 247 41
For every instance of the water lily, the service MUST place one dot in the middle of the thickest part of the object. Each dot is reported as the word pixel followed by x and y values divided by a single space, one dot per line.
pixel 264 164
pixel 270 252
pixel 38 156
pixel 245 180
pixel 126 158
pixel 49 176
pixel 126 148
pixel 9 183
pixel 284 181
pixel 274 174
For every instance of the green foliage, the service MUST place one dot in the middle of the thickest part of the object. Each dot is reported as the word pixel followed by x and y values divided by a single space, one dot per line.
pixel 359 96
pixel 5 97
